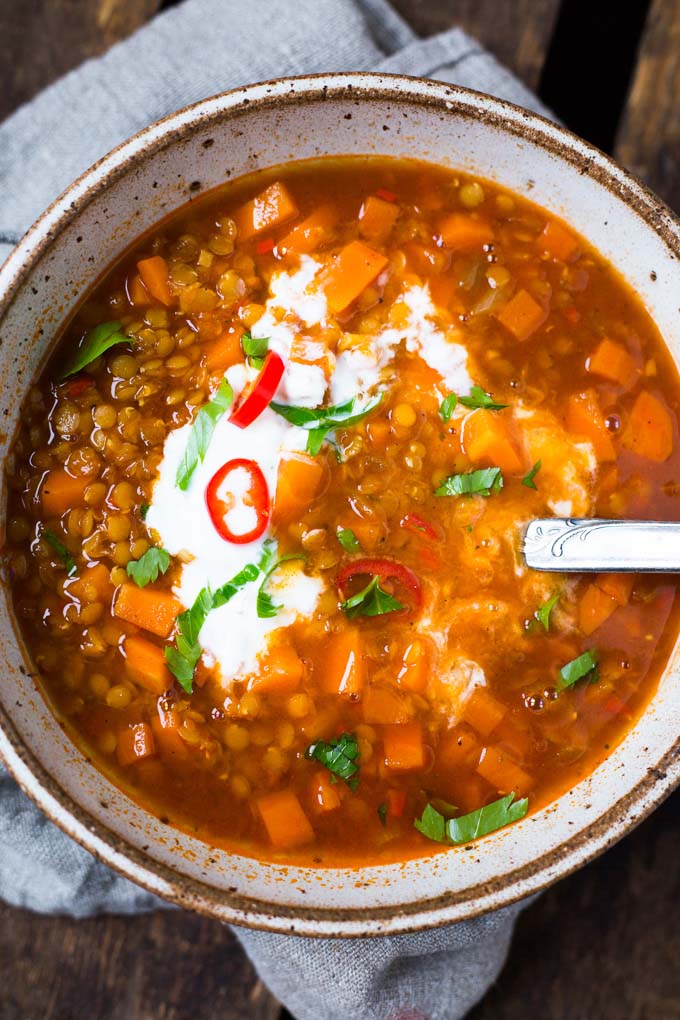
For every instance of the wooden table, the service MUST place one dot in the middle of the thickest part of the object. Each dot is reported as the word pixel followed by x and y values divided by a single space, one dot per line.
pixel 604 944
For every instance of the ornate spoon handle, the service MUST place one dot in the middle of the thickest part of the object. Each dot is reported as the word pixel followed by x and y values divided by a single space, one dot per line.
pixel 562 544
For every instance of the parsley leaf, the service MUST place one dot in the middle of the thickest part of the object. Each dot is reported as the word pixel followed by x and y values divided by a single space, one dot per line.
pixel 254 346
pixel 382 813
pixel 61 551
pixel 149 566
pixel 322 420
pixel 370 601
pixel 348 540
pixel 266 607
pixel 579 668
pixel 143 510
pixel 481 483
pixel 477 823
pixel 201 433
pixel 528 479
pixel 543 612
pixel 478 398
pixel 94 344
pixel 339 756
pixel 224 594
pixel 448 406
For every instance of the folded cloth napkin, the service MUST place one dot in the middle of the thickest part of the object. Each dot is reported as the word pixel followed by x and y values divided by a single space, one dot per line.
pixel 194 50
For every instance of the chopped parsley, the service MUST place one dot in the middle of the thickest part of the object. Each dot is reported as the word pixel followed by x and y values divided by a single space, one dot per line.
pixel 473 483
pixel 61 551
pixel 201 433
pixel 543 612
pixel 583 666
pixel 370 601
pixel 339 757
pixel 433 825
pixel 147 568
pixel 322 420
pixel 348 540
pixel 266 607
pixel 528 479
pixel 382 813
pixel 94 344
pixel 255 348
pixel 479 398
pixel 143 510
pixel 448 406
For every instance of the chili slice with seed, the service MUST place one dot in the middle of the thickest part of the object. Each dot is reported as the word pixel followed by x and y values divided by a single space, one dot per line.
pixel 220 504
pixel 385 570
pixel 257 395
pixel 419 526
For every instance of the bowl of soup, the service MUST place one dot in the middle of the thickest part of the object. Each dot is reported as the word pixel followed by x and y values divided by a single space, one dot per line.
pixel 286 376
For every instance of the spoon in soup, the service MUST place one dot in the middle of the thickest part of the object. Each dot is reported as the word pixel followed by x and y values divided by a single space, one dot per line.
pixel 603 546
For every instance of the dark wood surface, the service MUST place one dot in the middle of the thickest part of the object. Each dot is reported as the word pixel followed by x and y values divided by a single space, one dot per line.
pixel 604 944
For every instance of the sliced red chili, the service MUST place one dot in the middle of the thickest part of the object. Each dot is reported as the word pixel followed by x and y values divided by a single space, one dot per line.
pixel 265 246
pixel 419 526
pixel 257 395
pixel 388 196
pixel 386 570
pixel 78 385
pixel 221 500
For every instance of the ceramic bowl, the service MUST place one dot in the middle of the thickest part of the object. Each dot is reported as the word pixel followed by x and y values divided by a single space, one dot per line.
pixel 64 253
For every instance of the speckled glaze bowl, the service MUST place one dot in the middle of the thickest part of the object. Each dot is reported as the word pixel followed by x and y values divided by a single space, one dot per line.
pixel 63 254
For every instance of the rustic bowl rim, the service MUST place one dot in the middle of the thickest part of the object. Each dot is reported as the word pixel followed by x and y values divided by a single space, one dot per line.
pixel 24 766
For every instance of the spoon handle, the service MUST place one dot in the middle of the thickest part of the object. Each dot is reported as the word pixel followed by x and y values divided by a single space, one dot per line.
pixel 562 544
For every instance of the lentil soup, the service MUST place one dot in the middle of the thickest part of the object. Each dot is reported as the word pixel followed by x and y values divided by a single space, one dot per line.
pixel 266 506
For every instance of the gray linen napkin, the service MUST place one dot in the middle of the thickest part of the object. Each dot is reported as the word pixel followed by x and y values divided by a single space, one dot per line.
pixel 197 49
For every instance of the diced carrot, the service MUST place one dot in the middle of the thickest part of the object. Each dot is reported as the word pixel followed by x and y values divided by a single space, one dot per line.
pixel 483 711
pixel 499 769
pixel 469 793
pixel 584 418
pixel 414 672
pixel 463 232
pixel 557 241
pixel 395 801
pixel 595 607
pixel 344 668
pixel 151 610
pixel 325 794
pixel 382 705
pixel 165 727
pixel 136 291
pixel 487 440
pixel 286 823
pixel 135 743
pixel 155 277
pixel 269 209
pixel 146 662
pixel 649 431
pixel 298 482
pixel 613 362
pixel 351 271
pixel 281 672
pixel 522 315
pixel 315 230
pixel 403 746
pixel 458 749
pixel 93 584
pixel 376 218
pixel 445 292
pixel 60 492
pixel 618 586
pixel 224 352
pixel 517 740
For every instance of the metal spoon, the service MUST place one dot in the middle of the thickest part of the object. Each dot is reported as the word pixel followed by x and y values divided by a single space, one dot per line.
pixel 565 544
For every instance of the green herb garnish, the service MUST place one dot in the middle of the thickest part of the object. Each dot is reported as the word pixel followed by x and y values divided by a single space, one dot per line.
pixel 94 344
pixel 147 568
pixel 448 406
pixel 143 510
pixel 370 601
pixel 479 398
pixel 201 433
pixel 473 483
pixel 543 612
pixel 477 823
pixel 61 551
pixel 320 421
pixel 528 479
pixel 579 668
pixel 382 813
pixel 339 756
pixel 255 348
pixel 348 540
pixel 266 607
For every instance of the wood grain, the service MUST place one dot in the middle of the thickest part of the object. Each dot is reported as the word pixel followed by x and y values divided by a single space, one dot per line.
pixel 40 40
pixel 648 139
pixel 170 965
pixel 518 33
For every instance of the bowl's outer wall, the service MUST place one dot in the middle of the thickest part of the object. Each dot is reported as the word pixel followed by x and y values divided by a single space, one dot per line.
pixel 61 258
